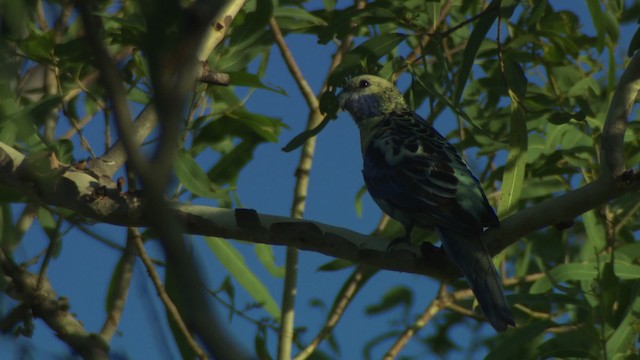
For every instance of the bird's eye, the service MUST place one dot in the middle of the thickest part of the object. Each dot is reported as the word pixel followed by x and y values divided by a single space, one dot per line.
pixel 363 84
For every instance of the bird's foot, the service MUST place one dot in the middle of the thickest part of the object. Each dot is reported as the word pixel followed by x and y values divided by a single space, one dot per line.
pixel 427 249
pixel 397 241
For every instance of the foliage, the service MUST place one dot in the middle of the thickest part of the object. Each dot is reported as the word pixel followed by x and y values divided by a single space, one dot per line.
pixel 528 83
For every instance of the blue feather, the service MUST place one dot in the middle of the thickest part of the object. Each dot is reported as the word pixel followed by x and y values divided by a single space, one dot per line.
pixel 418 178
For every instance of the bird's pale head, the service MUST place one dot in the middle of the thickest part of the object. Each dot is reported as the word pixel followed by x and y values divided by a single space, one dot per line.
pixel 368 96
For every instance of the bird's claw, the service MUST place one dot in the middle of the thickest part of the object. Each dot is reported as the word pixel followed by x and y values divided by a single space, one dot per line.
pixel 397 241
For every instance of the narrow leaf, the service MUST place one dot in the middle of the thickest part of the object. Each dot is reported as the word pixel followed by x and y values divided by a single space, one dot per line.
pixel 626 332
pixel 513 176
pixel 365 54
pixel 515 340
pixel 233 261
pixel 562 273
pixel 192 177
pixel 479 33
pixel 268 260
pixel 301 138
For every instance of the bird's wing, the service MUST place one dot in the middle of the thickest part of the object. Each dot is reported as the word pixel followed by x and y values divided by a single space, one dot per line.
pixel 412 167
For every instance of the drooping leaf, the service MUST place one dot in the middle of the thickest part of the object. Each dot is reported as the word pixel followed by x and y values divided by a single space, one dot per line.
pixel 335 265
pixel 234 262
pixel 626 332
pixel 562 273
pixel 268 260
pixel 366 53
pixel 399 296
pixel 519 341
pixel 478 35
pixel 301 138
pixel 241 78
pixel 578 343
pixel 192 176
pixel 513 176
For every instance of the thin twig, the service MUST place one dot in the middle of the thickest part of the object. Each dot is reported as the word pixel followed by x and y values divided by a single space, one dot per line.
pixel 436 305
pixel 302 181
pixel 344 298
pixel 361 274
pixel 285 338
pixel 171 308
pixel 305 89
pixel 459 26
pixel 54 242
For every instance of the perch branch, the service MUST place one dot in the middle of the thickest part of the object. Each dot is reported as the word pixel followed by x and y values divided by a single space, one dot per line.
pixel 81 192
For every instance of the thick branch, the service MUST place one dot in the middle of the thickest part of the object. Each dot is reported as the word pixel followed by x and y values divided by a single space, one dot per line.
pixel 54 310
pixel 82 193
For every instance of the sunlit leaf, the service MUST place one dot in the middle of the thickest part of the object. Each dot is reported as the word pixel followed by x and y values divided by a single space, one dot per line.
pixel 192 176
pixel 562 273
pixel 513 176
pixel 301 138
pixel 268 260
pixel 234 262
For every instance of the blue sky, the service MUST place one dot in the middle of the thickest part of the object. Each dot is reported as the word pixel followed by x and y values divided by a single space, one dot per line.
pixel 83 269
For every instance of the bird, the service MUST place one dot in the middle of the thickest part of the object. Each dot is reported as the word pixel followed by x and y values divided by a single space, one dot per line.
pixel 419 179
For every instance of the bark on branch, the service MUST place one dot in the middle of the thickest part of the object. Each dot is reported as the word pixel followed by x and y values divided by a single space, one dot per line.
pixel 87 195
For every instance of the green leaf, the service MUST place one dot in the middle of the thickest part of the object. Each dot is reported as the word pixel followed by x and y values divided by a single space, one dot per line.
pixel 295 18
pixel 267 127
pixel 478 35
pixel 301 138
pixel 260 345
pixel 516 79
pixel 579 343
pixel 268 260
pixel 241 78
pixel 39 45
pixel 399 296
pixel 233 261
pixel 358 201
pixel 587 88
pixel 513 176
pixel 192 177
pixel 562 273
pixel 626 270
pixel 595 232
pixel 365 55
pixel 116 275
pixel 47 222
pixel 561 117
pixel 335 265
pixel 518 340
pixel 227 169
pixel 11 236
pixel 623 336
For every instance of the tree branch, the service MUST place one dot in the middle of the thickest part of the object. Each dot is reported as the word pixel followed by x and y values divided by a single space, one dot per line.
pixel 611 153
pixel 43 301
pixel 81 192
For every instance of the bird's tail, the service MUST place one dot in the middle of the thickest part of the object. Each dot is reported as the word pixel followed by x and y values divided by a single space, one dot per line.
pixel 471 256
